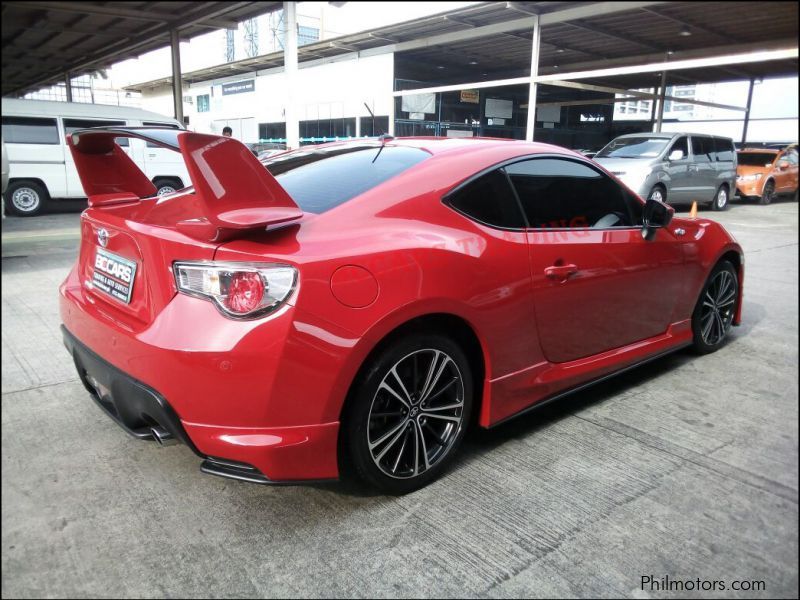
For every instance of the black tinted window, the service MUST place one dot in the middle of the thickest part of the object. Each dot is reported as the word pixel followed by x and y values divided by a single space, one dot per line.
pixel 154 124
pixel 323 178
pixel 71 125
pixel 490 200
pixel 682 144
pixel 724 149
pixel 558 193
pixel 702 148
pixel 25 130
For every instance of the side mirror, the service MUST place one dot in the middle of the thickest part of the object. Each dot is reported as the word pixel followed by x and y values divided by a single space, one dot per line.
pixel 676 155
pixel 655 215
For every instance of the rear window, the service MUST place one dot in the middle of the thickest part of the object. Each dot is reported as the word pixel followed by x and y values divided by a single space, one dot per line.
pixel 321 179
pixel 724 149
pixel 29 130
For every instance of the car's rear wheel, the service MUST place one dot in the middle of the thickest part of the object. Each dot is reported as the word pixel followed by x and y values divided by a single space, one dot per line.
pixel 721 199
pixel 26 198
pixel 167 185
pixel 769 193
pixel 409 412
pixel 716 307
pixel 658 193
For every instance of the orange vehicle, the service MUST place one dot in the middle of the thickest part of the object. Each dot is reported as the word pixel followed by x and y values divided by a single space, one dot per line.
pixel 765 172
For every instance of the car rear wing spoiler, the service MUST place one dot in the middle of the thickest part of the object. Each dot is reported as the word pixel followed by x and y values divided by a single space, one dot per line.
pixel 233 191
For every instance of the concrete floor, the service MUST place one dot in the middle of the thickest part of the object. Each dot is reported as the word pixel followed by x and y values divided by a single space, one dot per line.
pixel 687 468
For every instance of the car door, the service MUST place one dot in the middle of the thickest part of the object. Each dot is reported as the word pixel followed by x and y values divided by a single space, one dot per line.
pixel 784 173
pixel 679 178
pixel 597 284
pixel 702 172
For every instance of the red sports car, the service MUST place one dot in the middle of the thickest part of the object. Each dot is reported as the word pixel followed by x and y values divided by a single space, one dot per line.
pixel 362 303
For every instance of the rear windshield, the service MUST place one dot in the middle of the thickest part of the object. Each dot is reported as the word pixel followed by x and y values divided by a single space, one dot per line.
pixel 633 147
pixel 756 159
pixel 323 178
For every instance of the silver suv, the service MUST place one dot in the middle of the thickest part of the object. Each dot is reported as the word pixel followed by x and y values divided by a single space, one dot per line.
pixel 677 168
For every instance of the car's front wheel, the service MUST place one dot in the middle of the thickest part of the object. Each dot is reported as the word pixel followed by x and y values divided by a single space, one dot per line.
pixel 713 315
pixel 768 194
pixel 409 412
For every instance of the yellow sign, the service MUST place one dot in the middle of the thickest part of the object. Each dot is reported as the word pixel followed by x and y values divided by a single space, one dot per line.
pixel 470 96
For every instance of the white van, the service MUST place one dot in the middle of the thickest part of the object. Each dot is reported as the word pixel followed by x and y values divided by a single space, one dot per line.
pixel 41 166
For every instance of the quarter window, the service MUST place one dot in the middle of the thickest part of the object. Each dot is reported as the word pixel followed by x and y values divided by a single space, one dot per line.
pixel 71 125
pixel 27 130
pixel 724 149
pixel 153 124
pixel 489 200
pixel 565 194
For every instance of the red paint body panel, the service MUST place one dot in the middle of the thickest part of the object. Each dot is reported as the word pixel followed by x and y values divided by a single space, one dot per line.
pixel 270 391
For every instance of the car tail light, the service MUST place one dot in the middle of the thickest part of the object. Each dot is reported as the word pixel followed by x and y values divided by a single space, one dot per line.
pixel 239 290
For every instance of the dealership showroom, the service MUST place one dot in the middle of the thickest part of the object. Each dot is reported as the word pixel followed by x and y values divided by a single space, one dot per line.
pixel 399 299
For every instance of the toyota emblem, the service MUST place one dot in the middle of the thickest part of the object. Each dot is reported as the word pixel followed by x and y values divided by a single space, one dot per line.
pixel 102 237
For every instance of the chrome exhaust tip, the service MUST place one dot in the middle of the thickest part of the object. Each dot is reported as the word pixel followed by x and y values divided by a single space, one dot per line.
pixel 162 436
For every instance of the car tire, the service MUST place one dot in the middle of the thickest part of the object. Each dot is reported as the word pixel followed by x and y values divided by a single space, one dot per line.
pixel 658 193
pixel 722 199
pixel 167 185
pixel 26 198
pixel 713 315
pixel 399 437
pixel 768 195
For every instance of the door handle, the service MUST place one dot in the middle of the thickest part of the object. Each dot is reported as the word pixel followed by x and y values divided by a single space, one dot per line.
pixel 151 156
pixel 560 272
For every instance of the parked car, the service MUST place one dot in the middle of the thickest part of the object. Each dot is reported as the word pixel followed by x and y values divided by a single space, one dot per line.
pixel 763 173
pixel 363 302
pixel 4 176
pixel 677 168
pixel 41 166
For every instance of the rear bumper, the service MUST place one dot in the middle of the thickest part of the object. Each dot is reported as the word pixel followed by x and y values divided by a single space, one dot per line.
pixel 258 455
pixel 237 393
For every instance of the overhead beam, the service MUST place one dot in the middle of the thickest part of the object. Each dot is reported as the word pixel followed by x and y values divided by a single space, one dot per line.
pixel 125 46
pixel 614 35
pixel 558 16
pixel 115 10
pixel 686 23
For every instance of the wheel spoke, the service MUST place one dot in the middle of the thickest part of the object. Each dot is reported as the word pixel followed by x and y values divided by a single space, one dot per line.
pixel 728 299
pixel 400 454
pixel 435 380
pixel 422 444
pixel 431 415
pixel 445 407
pixel 431 371
pixel 387 387
pixel 387 435
pixel 406 395
pixel 442 390
pixel 706 331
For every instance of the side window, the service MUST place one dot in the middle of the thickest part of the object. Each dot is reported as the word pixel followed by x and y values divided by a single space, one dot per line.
pixel 791 156
pixel 71 125
pixel 489 200
pixel 724 149
pixel 560 193
pixel 701 148
pixel 28 130
pixel 154 124
pixel 681 144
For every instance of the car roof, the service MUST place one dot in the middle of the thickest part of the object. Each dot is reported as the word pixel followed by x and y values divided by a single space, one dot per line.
pixel 443 145
pixel 760 150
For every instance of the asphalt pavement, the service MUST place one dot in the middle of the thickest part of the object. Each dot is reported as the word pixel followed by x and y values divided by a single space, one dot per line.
pixel 685 468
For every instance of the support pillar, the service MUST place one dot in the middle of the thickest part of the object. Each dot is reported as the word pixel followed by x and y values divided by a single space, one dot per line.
pixel 535 42
pixel 177 82
pixel 290 72
pixel 747 111
pixel 68 81
pixel 662 92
